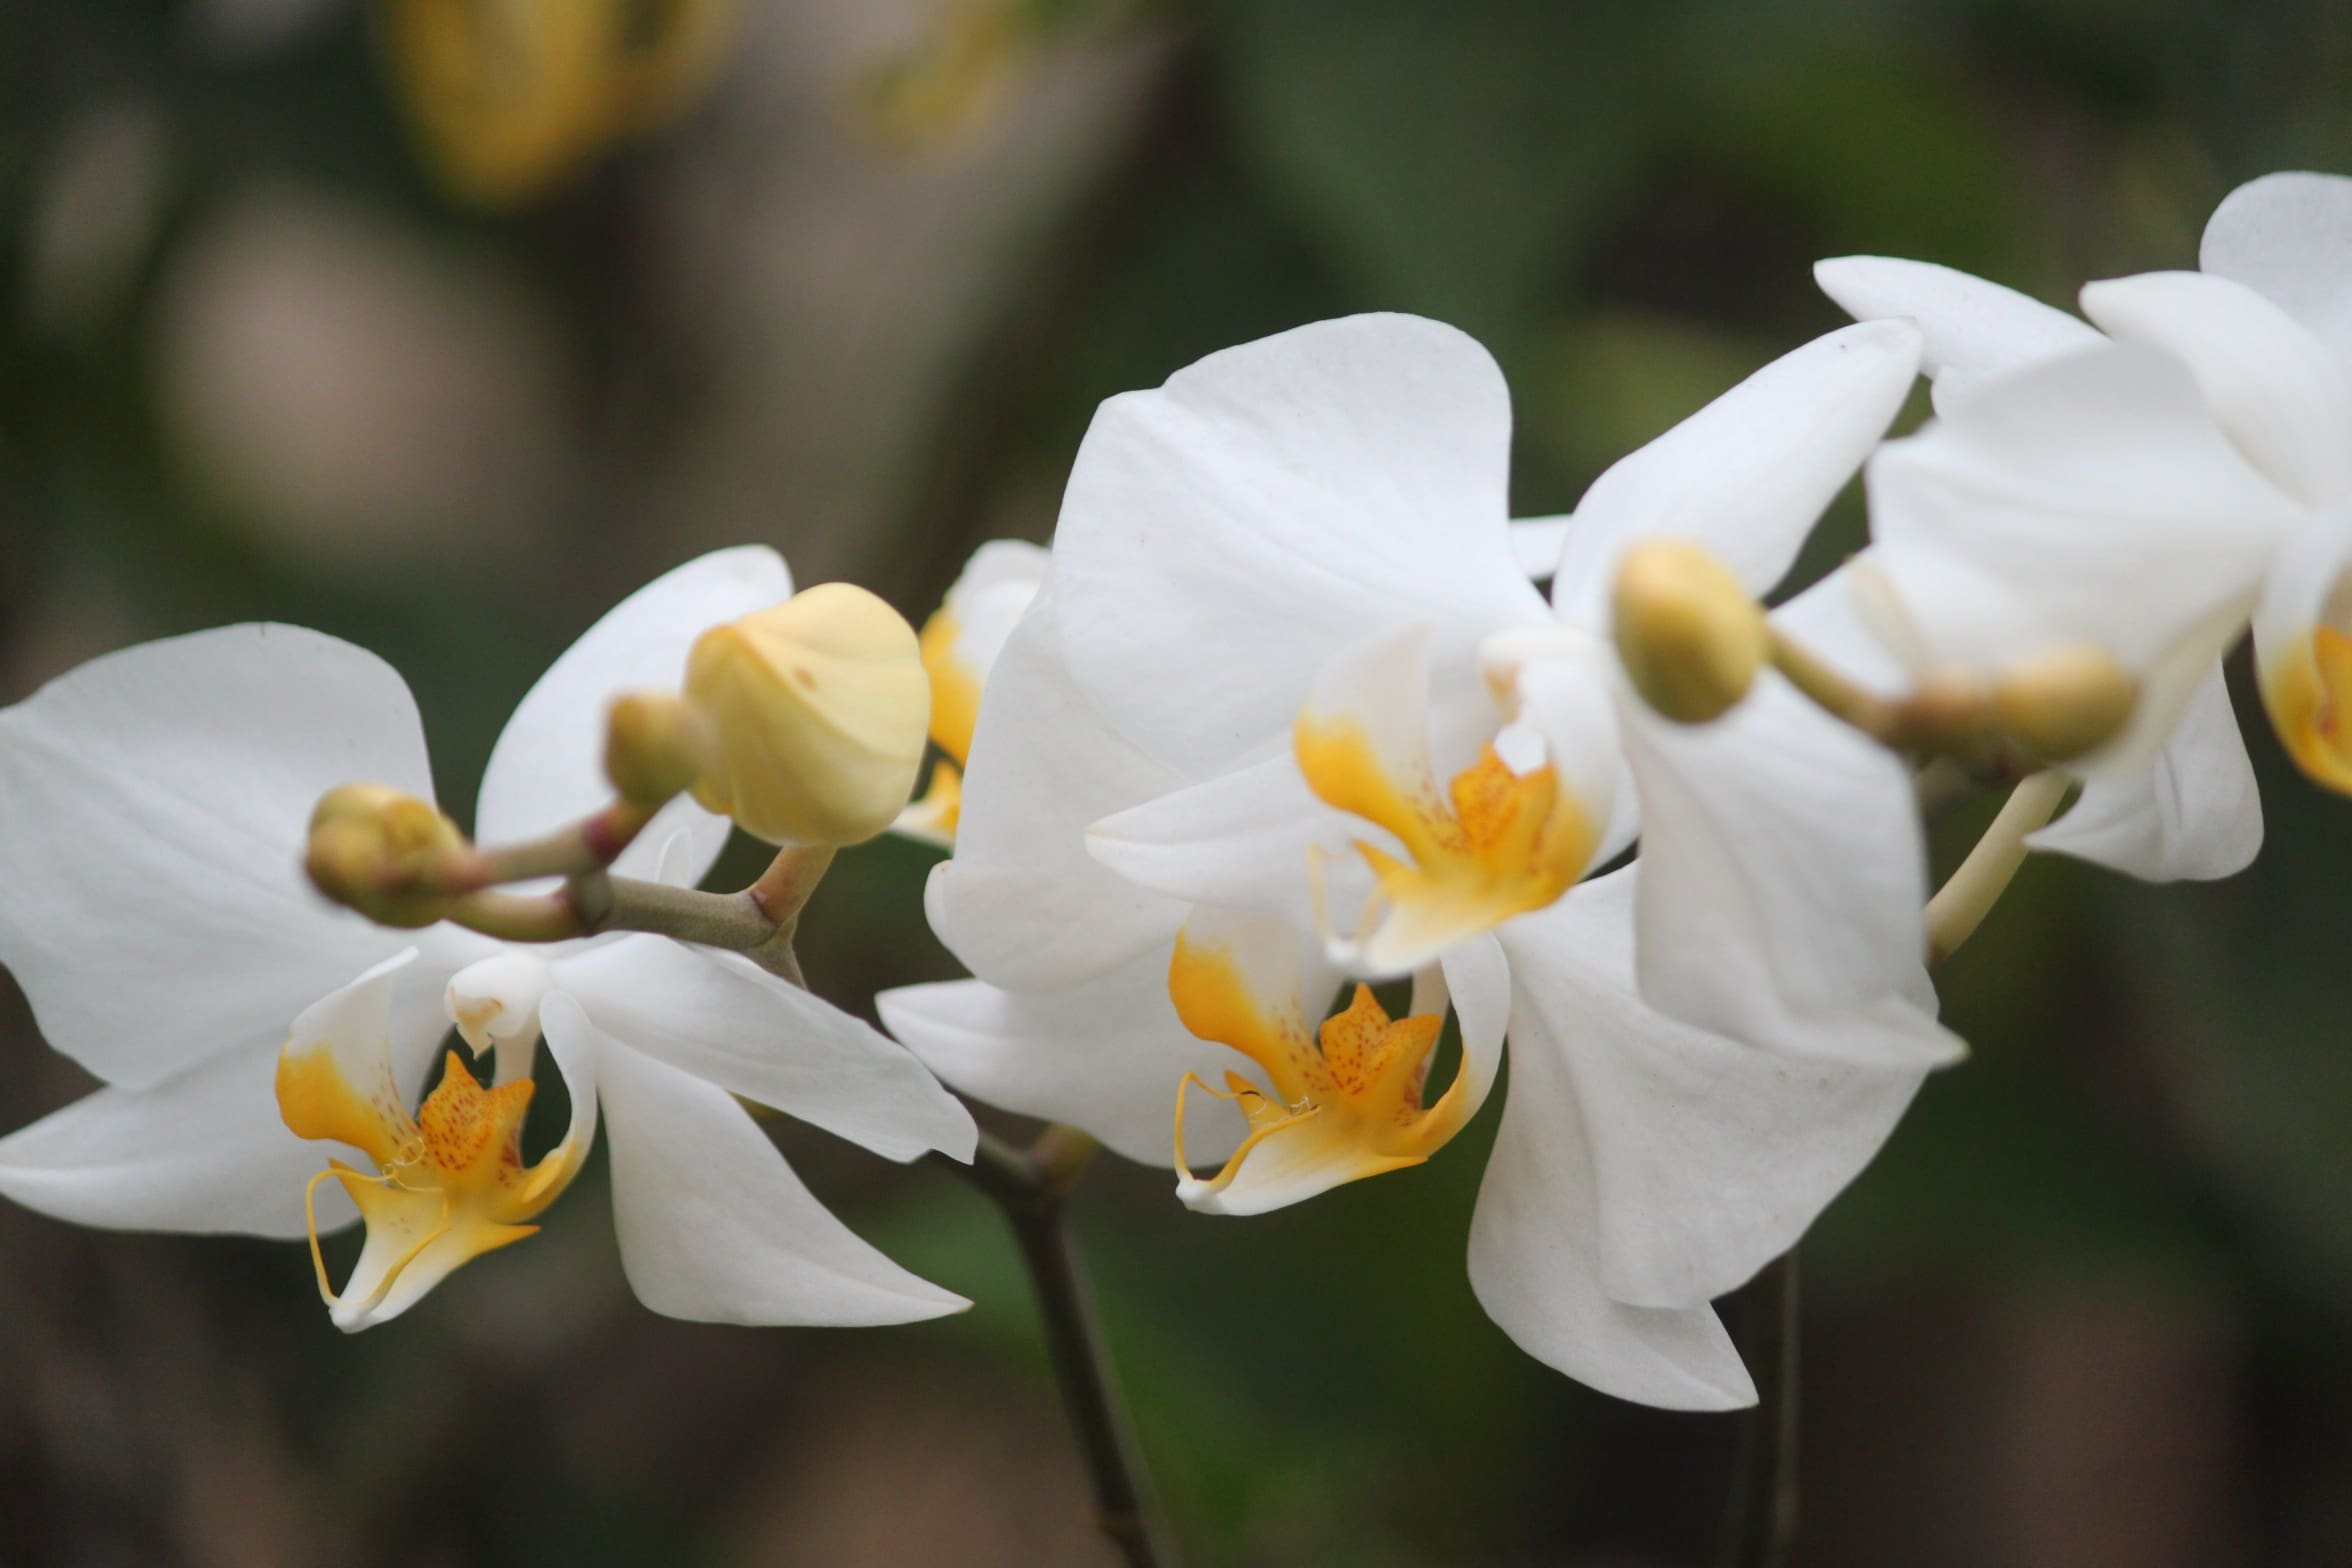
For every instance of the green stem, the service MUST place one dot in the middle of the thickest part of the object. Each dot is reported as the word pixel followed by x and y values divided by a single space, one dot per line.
pixel 1760 1526
pixel 1961 904
pixel 1031 1186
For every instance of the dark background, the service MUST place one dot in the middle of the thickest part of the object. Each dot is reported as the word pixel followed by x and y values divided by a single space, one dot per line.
pixel 2090 1307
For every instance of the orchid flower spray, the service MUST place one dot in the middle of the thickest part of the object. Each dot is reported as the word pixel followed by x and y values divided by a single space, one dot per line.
pixel 1287 661
pixel 2136 488
pixel 244 1026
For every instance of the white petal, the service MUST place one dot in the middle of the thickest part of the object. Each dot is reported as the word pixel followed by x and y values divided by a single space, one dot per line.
pixel 996 587
pixel 1568 702
pixel 1022 903
pixel 1751 473
pixel 1105 1057
pixel 715 1227
pixel 2282 394
pixel 577 1047
pixel 1972 329
pixel 1783 877
pixel 1478 982
pixel 2305 587
pixel 153 807
pixel 1241 840
pixel 2089 497
pixel 1711 1158
pixel 1828 622
pixel 731 1023
pixel 2193 813
pixel 1537 543
pixel 1224 535
pixel 203 1151
pixel 547 768
pixel 1535 1244
pixel 2290 236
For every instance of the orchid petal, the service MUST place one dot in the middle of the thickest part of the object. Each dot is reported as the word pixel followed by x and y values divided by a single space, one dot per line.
pixel 1710 1158
pixel 1222 534
pixel 1478 982
pixel 1537 543
pixel 1021 903
pixel 2280 393
pixel 1106 1056
pixel 2088 497
pixel 1751 473
pixel 201 1151
pixel 1972 329
pixel 1242 840
pixel 1535 1261
pixel 725 1020
pixel 2194 813
pixel 547 769
pixel 159 796
pixel 1784 872
pixel 713 1224
pixel 2289 235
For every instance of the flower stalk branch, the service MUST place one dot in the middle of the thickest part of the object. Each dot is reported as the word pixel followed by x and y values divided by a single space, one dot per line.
pixel 1962 903
pixel 1032 1186
pixel 1760 1524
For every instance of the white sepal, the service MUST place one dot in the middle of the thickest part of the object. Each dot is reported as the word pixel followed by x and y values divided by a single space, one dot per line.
pixel 713 1224
pixel 1751 473
pixel 547 768
pixel 153 804
pixel 725 1020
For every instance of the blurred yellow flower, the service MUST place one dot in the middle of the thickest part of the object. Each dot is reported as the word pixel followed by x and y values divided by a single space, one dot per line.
pixel 512 98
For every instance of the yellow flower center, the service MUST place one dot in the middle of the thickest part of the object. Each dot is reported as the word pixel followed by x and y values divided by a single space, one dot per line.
pixel 451 1183
pixel 1347 1099
pixel 1495 844
pixel 2309 695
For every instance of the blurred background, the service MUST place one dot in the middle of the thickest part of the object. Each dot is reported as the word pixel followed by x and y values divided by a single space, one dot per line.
pixel 439 324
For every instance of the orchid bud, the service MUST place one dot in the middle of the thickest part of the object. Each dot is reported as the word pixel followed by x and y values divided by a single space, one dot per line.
pixel 370 844
pixel 817 711
pixel 1690 636
pixel 2064 702
pixel 655 746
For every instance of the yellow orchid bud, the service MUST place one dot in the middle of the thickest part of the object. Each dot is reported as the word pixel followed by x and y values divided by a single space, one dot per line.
pixel 655 746
pixel 817 711
pixel 1690 636
pixel 2064 702
pixel 369 844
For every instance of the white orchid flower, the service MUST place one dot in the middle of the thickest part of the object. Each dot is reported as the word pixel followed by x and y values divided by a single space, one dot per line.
pixel 1126 904
pixel 2144 486
pixel 960 644
pixel 1265 569
pixel 1644 1166
pixel 159 922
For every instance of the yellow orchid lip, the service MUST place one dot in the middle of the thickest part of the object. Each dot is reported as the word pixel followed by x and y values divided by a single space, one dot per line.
pixel 450 1183
pixel 1347 1100
pixel 1497 843
pixel 2308 694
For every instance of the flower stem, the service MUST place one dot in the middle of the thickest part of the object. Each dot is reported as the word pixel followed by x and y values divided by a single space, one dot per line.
pixel 1961 904
pixel 1032 1187
pixel 1761 1524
